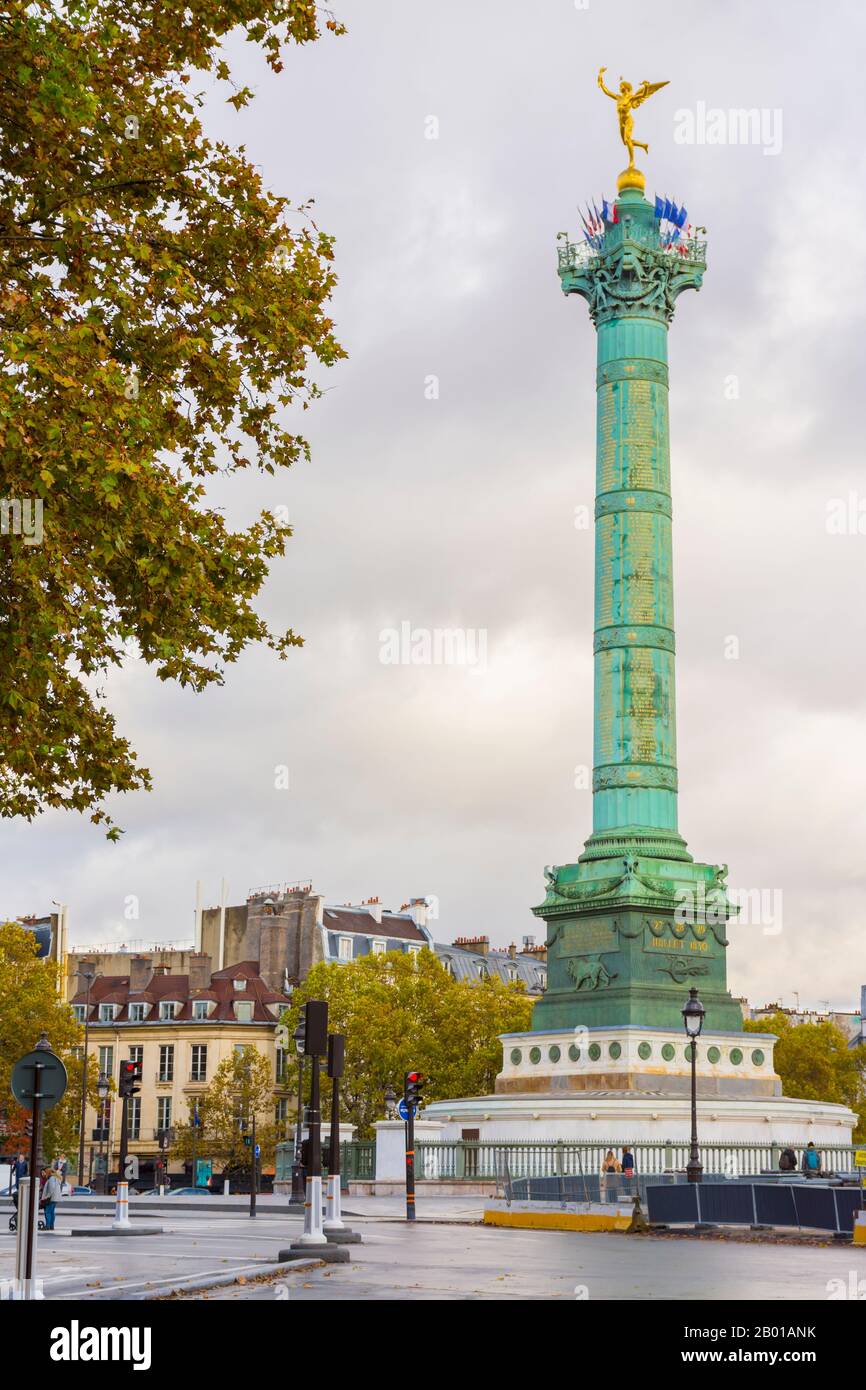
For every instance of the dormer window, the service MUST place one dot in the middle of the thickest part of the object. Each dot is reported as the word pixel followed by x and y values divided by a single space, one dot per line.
pixel 107 1013
pixel 379 946
pixel 244 1011
pixel 344 947
pixel 166 1010
pixel 137 1013
pixel 199 1008
pixel 240 983
pixel 80 1011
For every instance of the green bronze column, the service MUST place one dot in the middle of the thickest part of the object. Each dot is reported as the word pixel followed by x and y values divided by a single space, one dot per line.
pixel 631 292
pixel 633 920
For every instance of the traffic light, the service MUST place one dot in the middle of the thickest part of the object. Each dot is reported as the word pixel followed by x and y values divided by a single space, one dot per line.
pixel 129 1083
pixel 413 1082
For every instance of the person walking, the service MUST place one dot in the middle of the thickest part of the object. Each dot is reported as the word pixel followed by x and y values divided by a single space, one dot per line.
pixel 19 1171
pixel 52 1191
pixel 610 1169
pixel 811 1164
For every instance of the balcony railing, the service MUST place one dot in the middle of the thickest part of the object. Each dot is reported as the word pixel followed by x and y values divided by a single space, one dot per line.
pixel 576 256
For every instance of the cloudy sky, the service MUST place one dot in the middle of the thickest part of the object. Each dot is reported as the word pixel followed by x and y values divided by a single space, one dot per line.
pixel 459 511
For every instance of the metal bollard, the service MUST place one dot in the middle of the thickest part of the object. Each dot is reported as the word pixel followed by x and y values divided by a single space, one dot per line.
pixel 121 1210
pixel 334 1214
pixel 313 1230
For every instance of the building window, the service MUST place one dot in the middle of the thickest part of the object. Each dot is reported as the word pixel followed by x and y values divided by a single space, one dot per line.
pixel 240 1048
pixel 483 972
pixel 106 1013
pixel 414 950
pixel 244 1012
pixel 282 1065
pixel 379 947
pixel 240 982
pixel 344 947
pixel 134 1113
pixel 106 1060
pixel 198 1068
pixel 80 1011
pixel 447 965
pixel 166 1065
pixel 166 1010
pixel 137 1013
pixel 136 1053
pixel 281 1112
pixel 199 1008
pixel 163 1112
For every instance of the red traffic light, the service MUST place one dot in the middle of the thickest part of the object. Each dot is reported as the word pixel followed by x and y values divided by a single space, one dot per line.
pixel 130 1076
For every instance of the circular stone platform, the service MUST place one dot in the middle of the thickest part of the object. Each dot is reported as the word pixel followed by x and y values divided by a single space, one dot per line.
pixel 631 1117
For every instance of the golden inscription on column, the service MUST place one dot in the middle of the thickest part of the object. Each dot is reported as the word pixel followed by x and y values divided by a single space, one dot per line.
pixel 607 557
pixel 608 701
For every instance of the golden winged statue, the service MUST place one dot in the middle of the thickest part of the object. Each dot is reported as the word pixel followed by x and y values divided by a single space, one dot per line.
pixel 626 100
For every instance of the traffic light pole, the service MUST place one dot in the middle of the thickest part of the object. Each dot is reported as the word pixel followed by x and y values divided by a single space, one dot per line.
pixel 254 1183
pixel 124 1138
pixel 316 1047
pixel 410 1165
pixel 336 1062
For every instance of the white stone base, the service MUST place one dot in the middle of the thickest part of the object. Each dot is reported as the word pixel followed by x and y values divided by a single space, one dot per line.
pixel 632 1118
pixel 636 1058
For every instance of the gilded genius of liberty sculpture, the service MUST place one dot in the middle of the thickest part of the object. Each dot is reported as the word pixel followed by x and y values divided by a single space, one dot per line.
pixel 626 101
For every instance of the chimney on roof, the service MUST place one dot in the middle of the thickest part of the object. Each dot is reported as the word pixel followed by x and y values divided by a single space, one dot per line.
pixel 512 951
pixel 374 907
pixel 140 973
pixel 479 944
pixel 418 909
pixel 199 970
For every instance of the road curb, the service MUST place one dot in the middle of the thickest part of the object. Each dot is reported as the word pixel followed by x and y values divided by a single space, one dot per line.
pixel 211 1281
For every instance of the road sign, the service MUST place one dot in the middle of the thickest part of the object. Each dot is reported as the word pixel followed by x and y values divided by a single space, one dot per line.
pixel 403 1110
pixel 860 1158
pixel 258 1150
pixel 52 1079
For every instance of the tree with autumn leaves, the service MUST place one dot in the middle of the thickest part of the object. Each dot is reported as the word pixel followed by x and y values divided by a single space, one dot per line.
pixel 30 1005
pixel 401 1011
pixel 161 312
pixel 815 1062
pixel 242 1086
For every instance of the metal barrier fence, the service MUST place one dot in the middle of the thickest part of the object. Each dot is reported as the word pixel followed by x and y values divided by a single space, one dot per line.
pixel 812 1204
pixel 466 1159
pixel 357 1160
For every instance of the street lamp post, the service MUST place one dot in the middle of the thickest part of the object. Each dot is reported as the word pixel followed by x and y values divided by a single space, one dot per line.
pixel 102 1088
pixel 693 1019
pixel 298 1196
pixel 89 976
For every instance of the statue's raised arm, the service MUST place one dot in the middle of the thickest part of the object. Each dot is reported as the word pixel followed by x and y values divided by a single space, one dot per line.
pixel 606 90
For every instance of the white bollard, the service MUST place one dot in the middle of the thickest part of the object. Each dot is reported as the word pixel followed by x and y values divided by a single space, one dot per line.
pixel 225 1187
pixel 313 1231
pixel 121 1210
pixel 334 1217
